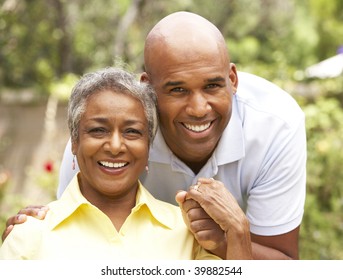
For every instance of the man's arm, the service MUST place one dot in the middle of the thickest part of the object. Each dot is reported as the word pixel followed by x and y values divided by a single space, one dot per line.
pixel 282 247
pixel 38 212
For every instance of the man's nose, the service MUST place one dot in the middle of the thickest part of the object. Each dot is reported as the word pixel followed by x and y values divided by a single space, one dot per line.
pixel 198 105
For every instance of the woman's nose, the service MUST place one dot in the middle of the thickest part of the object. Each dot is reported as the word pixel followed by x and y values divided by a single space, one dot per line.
pixel 115 143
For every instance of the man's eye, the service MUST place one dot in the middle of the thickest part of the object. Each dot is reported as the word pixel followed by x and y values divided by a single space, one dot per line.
pixel 178 89
pixel 212 86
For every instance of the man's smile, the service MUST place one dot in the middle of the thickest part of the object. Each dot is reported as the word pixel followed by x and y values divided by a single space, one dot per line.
pixel 197 128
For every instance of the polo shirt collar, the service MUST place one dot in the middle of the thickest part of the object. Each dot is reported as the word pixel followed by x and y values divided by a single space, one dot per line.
pixel 69 202
pixel 231 146
pixel 72 199
pixel 159 151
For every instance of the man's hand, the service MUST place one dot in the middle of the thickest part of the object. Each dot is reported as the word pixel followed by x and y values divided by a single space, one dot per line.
pixel 221 207
pixel 38 212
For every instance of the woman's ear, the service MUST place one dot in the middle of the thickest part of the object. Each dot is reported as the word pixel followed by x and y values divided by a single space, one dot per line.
pixel 73 147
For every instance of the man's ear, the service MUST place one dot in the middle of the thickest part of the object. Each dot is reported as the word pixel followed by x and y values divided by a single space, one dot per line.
pixel 145 78
pixel 233 77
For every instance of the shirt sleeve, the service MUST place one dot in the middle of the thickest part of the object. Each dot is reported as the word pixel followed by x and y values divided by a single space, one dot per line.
pixel 66 173
pixel 9 250
pixel 276 202
pixel 201 254
pixel 22 242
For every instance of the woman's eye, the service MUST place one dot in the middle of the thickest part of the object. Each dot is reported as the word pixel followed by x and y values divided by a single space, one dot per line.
pixel 97 131
pixel 133 131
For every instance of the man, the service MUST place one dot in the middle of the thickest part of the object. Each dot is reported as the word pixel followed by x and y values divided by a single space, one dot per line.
pixel 237 139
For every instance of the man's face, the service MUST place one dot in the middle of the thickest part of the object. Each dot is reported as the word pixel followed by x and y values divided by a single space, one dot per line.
pixel 194 101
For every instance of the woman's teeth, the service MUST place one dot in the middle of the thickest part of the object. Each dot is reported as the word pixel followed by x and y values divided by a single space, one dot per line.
pixel 112 164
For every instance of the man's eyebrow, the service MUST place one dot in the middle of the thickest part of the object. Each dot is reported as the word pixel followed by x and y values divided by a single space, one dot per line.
pixel 180 83
pixel 173 84
pixel 215 79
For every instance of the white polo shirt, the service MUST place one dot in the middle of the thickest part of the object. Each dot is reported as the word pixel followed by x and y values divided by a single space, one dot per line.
pixel 260 158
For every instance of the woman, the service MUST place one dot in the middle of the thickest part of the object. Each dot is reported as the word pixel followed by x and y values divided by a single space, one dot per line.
pixel 105 211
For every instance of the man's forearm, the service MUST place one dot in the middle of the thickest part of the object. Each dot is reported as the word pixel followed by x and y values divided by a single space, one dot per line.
pixel 239 245
pixel 261 252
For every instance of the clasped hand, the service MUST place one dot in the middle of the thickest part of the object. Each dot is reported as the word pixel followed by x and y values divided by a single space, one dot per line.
pixel 216 220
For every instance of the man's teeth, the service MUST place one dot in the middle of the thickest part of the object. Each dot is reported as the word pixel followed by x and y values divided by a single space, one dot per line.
pixel 112 164
pixel 197 128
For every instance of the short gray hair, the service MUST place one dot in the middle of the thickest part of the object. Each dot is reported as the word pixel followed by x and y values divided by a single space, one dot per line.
pixel 113 79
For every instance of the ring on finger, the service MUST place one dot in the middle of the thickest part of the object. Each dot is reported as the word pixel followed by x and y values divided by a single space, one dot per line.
pixel 196 187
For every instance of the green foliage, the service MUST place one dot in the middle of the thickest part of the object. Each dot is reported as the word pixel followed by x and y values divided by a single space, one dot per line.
pixel 61 88
pixel 29 44
pixel 323 220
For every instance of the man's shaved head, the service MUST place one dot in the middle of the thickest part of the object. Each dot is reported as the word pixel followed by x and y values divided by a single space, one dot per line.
pixel 184 34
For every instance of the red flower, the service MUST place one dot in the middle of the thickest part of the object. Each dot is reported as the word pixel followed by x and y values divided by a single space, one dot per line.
pixel 49 166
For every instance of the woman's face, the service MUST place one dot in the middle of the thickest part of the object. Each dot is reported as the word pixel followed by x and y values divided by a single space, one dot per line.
pixel 113 145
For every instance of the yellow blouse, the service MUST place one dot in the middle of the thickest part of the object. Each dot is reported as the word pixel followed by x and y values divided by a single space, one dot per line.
pixel 76 229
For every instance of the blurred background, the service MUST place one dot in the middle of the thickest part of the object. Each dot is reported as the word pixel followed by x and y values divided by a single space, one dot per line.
pixel 46 45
